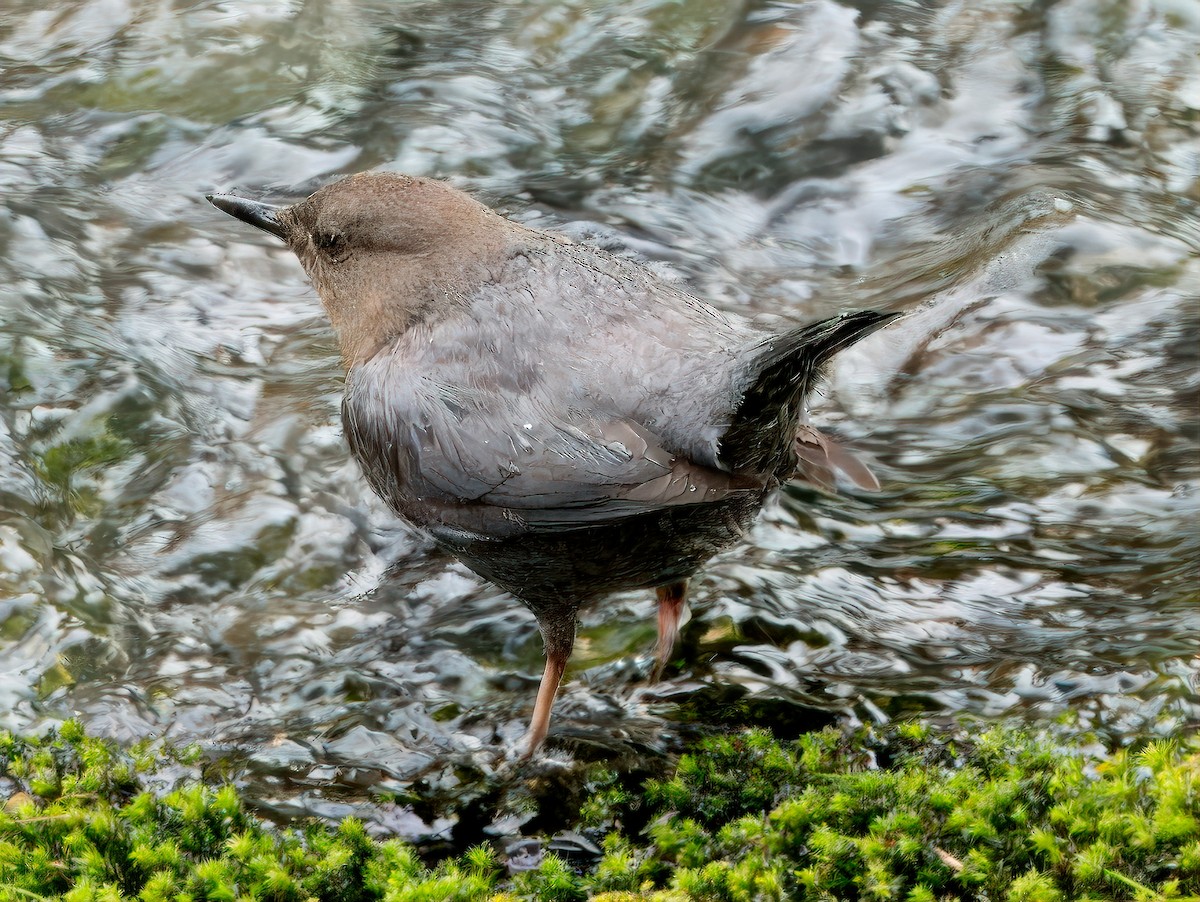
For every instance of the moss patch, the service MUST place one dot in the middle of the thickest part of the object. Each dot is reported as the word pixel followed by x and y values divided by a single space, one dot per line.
pixel 915 815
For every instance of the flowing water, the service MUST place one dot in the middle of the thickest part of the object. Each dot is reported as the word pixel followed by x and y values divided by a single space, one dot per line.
pixel 186 549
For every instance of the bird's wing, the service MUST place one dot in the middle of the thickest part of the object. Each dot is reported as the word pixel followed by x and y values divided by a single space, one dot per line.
pixel 496 463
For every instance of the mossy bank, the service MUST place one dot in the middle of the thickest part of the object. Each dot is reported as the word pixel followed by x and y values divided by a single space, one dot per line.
pixel 914 814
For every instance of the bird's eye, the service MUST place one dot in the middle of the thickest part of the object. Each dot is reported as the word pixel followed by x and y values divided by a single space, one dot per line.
pixel 332 244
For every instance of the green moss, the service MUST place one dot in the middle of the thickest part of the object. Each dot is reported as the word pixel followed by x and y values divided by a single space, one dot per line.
pixel 12 369
pixel 1008 817
pixel 727 778
pixel 995 814
pixel 235 567
pixel 65 466
pixel 59 464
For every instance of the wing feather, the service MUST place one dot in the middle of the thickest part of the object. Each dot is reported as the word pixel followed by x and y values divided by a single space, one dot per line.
pixel 490 463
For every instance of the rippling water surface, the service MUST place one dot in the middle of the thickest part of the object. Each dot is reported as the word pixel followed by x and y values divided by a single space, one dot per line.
pixel 187 550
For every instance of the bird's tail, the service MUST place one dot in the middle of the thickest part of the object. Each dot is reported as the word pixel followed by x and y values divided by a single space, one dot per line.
pixel 780 373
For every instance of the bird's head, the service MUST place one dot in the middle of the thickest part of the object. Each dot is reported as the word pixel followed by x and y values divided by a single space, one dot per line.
pixel 384 250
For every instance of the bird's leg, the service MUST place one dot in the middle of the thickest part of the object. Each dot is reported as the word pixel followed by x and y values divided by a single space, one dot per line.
pixel 558 634
pixel 672 602
pixel 551 677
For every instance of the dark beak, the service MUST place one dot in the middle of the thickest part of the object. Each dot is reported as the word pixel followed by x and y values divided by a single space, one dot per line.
pixel 264 216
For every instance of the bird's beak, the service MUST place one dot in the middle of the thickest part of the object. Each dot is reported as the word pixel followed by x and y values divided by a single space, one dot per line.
pixel 264 216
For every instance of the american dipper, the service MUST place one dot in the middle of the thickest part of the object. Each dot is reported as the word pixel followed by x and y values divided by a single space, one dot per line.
pixel 564 422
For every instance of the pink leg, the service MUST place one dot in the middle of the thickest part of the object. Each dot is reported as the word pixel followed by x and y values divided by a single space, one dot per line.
pixel 551 677
pixel 558 634
pixel 672 600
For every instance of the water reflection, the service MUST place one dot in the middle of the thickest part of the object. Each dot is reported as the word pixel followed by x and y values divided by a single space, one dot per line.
pixel 185 548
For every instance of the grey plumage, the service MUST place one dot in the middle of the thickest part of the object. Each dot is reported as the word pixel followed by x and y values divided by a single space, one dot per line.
pixel 565 422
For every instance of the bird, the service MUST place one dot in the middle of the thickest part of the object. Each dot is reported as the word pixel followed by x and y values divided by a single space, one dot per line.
pixel 565 422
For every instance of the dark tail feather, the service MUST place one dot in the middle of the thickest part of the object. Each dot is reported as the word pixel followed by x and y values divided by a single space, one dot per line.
pixel 781 372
